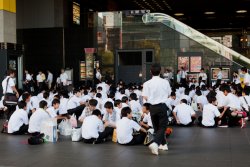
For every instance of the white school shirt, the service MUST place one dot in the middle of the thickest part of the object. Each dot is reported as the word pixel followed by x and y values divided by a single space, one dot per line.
pixel 52 112
pixel 11 83
pixel 245 102
pixel 39 78
pixel 28 106
pixel 105 87
pixel 202 100
pixel 124 130
pixel 111 118
pixel 135 107
pixel 17 119
pixel 138 93
pixel 232 101
pixel 219 75
pixel 117 95
pixel 147 119
pixel 36 120
pixel 64 78
pixel 183 74
pixel 63 106
pixel 73 102
pixel 208 114
pixel 91 127
pixel 156 90
pixel 34 101
pixel 186 97
pixel 28 77
pixel 98 75
pixel 184 113
pixel 85 98
pixel 203 76
pixel 118 111
pixel 247 79
pixel 50 77
pixel 220 99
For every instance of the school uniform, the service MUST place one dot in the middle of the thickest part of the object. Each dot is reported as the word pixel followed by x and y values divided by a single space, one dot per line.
pixel 85 98
pixel 34 102
pixel 74 107
pixel 36 120
pixel 11 83
pixel 18 123
pixel 64 79
pixel 219 78
pixel 124 132
pixel 245 102
pixel 53 112
pixel 247 82
pixel 157 91
pixel 209 113
pixel 184 113
pixel 147 119
pixel 202 100
pixel 202 77
pixel 63 106
pixel 136 109
pixel 187 98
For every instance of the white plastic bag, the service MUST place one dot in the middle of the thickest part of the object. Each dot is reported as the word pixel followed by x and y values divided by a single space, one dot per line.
pixel 49 128
pixel 65 128
pixel 73 121
pixel 76 134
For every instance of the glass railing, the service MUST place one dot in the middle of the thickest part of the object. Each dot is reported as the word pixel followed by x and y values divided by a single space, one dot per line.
pixel 194 35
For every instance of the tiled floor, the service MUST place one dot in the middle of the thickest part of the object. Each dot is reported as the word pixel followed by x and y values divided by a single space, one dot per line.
pixel 196 147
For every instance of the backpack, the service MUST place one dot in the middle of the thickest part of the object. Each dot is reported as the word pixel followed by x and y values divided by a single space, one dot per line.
pixel 35 140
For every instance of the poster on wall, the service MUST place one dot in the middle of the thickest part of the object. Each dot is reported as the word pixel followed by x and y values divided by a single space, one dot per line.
pixel 76 13
pixel 225 73
pixel 82 70
pixel 195 64
pixel 89 59
pixel 183 62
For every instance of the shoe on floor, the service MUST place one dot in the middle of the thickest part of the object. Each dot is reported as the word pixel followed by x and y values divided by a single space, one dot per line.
pixel 163 147
pixel 154 148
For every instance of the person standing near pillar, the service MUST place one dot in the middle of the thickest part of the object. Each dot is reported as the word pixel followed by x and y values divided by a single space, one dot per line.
pixel 219 77
pixel 156 92
pixel 183 77
pixel 64 79
pixel 27 81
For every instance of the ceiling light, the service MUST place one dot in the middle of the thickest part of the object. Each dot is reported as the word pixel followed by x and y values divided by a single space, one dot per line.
pixel 241 11
pixel 178 14
pixel 209 13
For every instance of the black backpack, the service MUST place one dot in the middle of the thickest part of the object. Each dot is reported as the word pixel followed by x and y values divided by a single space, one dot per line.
pixel 35 140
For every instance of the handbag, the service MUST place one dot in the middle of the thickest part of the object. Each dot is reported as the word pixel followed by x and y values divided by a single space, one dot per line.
pixel 149 138
pixel 9 98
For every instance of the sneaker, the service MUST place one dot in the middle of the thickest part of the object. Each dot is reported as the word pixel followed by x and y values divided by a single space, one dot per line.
pixel 154 148
pixel 163 147
pixel 223 126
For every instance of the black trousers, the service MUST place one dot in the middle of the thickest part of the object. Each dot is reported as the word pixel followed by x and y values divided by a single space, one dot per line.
pixel 102 135
pixel 77 111
pixel 189 124
pixel 22 130
pixel 160 120
pixel 10 111
pixel 218 82
pixel 137 139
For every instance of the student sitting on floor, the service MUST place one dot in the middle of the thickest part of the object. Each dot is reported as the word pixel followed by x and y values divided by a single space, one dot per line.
pixel 93 128
pixel 54 111
pixel 146 122
pixel 118 107
pixel 75 105
pixel 125 128
pixel 37 118
pixel 184 114
pixel 18 123
pixel 210 114
pixel 135 107
pixel 90 107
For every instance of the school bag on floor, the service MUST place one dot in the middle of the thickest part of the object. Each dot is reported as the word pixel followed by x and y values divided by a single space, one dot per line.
pixel 49 128
pixel 65 128
pixel 35 140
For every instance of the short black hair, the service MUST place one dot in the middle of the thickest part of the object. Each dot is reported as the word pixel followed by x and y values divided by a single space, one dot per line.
pixel 211 99
pixel 147 106
pixel 122 91
pixel 55 101
pixel 57 96
pixel 111 95
pixel 26 95
pixel 99 88
pixel 96 112
pixel 117 102
pixel 155 69
pixel 43 104
pixel 184 101
pixel 124 99
pixel 125 111
pixel 45 95
pixel 133 96
pixel 99 95
pixel 93 102
pixel 108 105
pixel 172 94
pixel 75 91
pixel 225 87
pixel 244 69
pixel 198 92
pixel 85 92
pixel 21 104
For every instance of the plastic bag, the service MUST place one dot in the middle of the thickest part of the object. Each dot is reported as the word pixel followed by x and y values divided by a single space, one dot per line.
pixel 73 121
pixel 76 134
pixel 49 128
pixel 65 128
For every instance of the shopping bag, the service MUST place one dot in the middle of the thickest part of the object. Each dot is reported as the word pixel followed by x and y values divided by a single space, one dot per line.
pixel 49 128
pixel 73 121
pixel 65 128
pixel 114 137
pixel 76 134
pixel 194 106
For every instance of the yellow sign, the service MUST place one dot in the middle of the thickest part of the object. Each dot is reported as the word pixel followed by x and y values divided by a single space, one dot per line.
pixel 8 5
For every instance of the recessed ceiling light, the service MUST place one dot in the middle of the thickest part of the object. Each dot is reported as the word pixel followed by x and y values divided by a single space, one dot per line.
pixel 241 11
pixel 209 13
pixel 178 14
